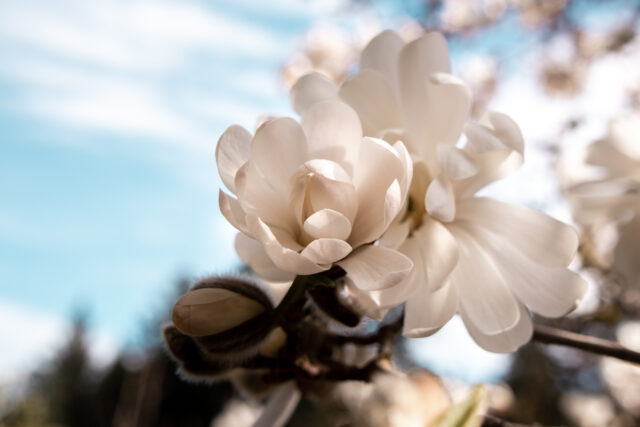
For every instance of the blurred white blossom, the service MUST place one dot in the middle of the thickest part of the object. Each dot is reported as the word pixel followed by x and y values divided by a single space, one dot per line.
pixel 607 205
pixel 488 261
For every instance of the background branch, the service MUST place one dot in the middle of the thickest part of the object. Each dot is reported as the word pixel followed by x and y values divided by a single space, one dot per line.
pixel 550 335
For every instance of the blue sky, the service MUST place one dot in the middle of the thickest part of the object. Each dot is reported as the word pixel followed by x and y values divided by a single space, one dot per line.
pixel 109 115
pixel 108 121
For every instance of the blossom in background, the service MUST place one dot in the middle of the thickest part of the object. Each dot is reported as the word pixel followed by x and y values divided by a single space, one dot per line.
pixel 608 208
pixel 314 194
pixel 486 260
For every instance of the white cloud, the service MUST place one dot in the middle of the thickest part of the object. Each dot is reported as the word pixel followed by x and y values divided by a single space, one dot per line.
pixel 123 34
pixel 133 66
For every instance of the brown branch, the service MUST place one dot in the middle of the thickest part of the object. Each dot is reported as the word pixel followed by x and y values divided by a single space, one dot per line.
pixel 549 335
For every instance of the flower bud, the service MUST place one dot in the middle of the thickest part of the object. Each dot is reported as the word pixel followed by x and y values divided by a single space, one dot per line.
pixel 227 317
pixel 210 311
pixel 193 363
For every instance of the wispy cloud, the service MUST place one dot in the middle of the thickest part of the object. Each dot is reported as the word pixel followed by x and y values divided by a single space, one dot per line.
pixel 137 67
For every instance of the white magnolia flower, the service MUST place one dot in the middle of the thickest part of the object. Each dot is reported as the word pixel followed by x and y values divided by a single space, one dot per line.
pixel 314 194
pixel 488 261
pixel 610 205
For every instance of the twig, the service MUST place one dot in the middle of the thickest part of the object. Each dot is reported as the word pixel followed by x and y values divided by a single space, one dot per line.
pixel 549 335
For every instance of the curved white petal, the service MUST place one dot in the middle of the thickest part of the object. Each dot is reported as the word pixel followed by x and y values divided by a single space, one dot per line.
pixel 407 166
pixel 395 235
pixel 536 235
pixel 505 342
pixel 393 201
pixel 232 151
pixel 492 166
pixel 257 197
pixel 381 54
pixel 374 267
pixel 426 312
pixel 440 200
pixel 551 292
pixel 284 258
pixel 455 163
pixel 434 252
pixel 278 149
pixel 374 99
pixel 481 139
pixel 232 211
pixel 448 108
pixel 327 223
pixel 312 88
pixel 333 132
pixel 505 129
pixel 326 251
pixel 482 291
pixel 253 254
pixel 377 168
pixel 416 61
pixel 496 145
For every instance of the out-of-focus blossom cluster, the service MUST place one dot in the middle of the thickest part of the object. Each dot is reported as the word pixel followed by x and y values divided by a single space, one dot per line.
pixel 607 207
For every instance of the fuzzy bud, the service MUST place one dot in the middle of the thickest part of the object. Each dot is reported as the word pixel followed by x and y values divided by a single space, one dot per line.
pixel 227 317
pixel 210 311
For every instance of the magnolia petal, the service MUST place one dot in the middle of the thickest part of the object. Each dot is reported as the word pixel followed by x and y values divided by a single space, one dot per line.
pixel 374 99
pixel 393 201
pixel 377 168
pixel 280 406
pixel 434 251
pixel 440 200
pixel 335 195
pixel 492 166
pixel 481 139
pixel 262 119
pixel 232 211
pixel 312 88
pixel 257 197
pixel 448 107
pixel 326 168
pixel 504 342
pixel 395 235
pixel 232 151
pixel 326 251
pixel 333 132
pixel 455 163
pixel 529 231
pixel 277 150
pixel 417 60
pixel 407 166
pixel 253 254
pixel 374 267
pixel 496 145
pixel 381 54
pixel 550 292
pixel 482 291
pixel 327 223
pixel 426 312
pixel 284 258
pixel 505 129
